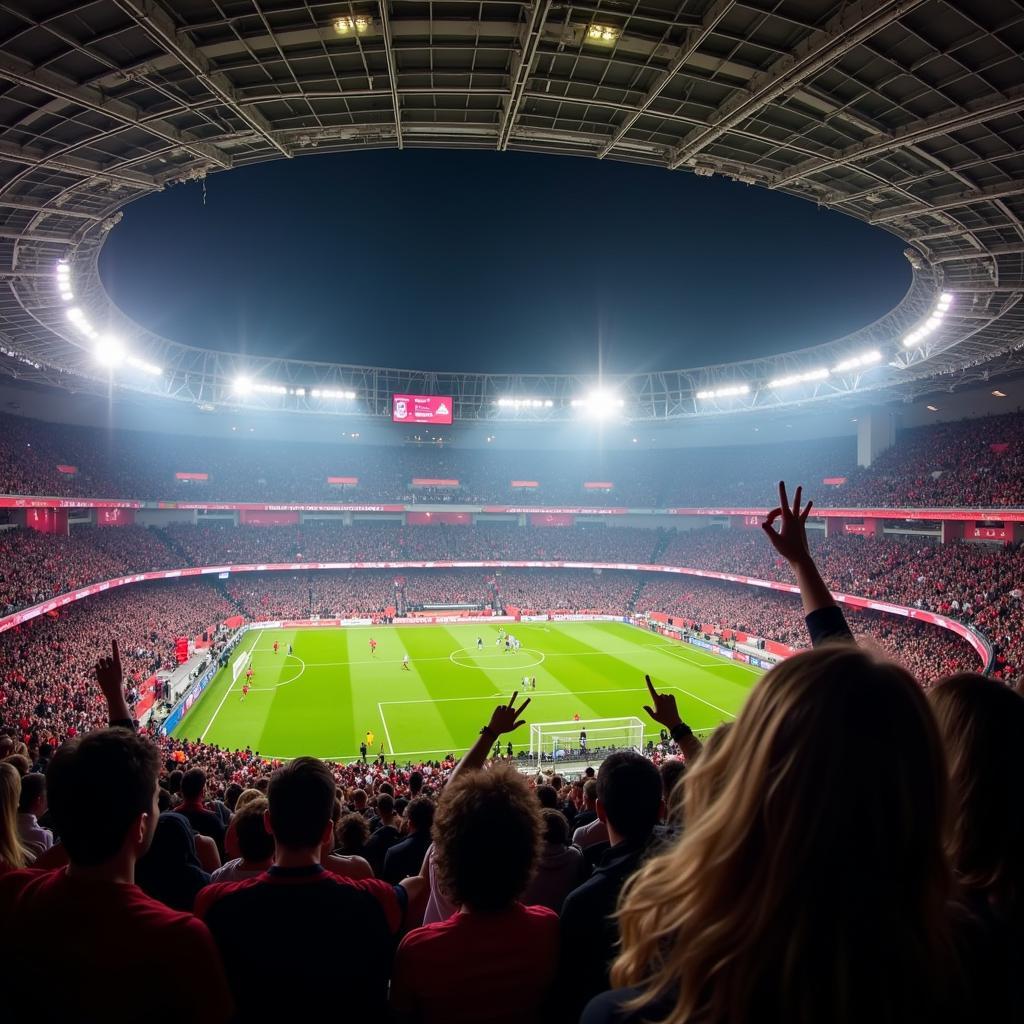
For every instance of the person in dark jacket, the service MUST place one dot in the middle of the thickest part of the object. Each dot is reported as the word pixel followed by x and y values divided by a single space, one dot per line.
pixel 629 801
pixel 405 859
pixel 170 871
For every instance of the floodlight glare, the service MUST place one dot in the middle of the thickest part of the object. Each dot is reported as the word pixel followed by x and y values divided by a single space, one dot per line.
pixel 931 323
pixel 270 389
pixel 241 385
pixel 599 404
pixel 331 393
pixel 606 34
pixel 799 378
pixel 727 392
pixel 360 24
pixel 858 362
pixel 110 351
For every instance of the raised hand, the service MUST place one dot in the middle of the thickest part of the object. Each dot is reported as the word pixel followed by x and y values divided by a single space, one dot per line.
pixel 109 675
pixel 505 717
pixel 663 707
pixel 791 538
pixel 110 678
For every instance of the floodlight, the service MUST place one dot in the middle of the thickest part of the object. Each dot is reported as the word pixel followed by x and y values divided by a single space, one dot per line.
pixel 858 362
pixel 606 34
pixel 799 378
pixel 331 393
pixel 270 389
pixel 241 385
pixel 932 323
pixel 110 351
pixel 727 392
pixel 599 404
pixel 359 25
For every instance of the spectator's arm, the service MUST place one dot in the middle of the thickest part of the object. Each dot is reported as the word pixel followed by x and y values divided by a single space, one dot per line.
pixel 505 718
pixel 110 678
pixel 208 854
pixel 664 711
pixel 825 621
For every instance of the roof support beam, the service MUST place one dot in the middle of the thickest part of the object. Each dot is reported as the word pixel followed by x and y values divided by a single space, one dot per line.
pixel 51 211
pixel 75 165
pixel 926 206
pixel 848 29
pixel 159 26
pixel 35 236
pixel 521 75
pixel 14 69
pixel 988 253
pixel 389 53
pixel 918 131
pixel 692 42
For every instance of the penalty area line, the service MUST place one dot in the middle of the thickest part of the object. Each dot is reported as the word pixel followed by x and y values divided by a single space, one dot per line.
pixel 384 722
pixel 227 693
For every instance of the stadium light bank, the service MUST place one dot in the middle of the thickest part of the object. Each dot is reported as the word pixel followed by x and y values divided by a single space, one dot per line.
pixel 932 323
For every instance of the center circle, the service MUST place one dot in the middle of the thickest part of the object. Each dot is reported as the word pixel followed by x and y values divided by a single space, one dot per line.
pixel 517 666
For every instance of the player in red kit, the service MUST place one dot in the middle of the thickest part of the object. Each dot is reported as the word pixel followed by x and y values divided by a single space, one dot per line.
pixel 275 647
pixel 248 675
pixel 245 690
pixel 373 647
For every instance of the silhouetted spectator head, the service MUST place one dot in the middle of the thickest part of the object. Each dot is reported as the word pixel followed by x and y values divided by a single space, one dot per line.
pixel 487 831
pixel 102 791
pixel 556 828
pixel 33 794
pixel 420 814
pixel 628 795
pixel 193 784
pixel 385 805
pixel 590 794
pixel 982 726
pixel 546 796
pixel 415 783
pixel 351 833
pixel 231 795
pixel 301 799
pixel 255 843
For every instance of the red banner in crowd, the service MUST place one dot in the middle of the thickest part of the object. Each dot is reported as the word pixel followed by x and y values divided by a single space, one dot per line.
pixel 350 481
pixel 989 531
pixel 252 517
pixel 834 481
pixel 524 483
pixel 430 481
pixel 115 516
pixel 598 485
pixel 551 519
pixel 67 470
pixel 147 696
pixel 1000 447
pixel 191 476
pixel 181 649
pixel 47 520
pixel 437 518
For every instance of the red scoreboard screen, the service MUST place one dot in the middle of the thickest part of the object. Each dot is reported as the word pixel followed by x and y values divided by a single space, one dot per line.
pixel 421 409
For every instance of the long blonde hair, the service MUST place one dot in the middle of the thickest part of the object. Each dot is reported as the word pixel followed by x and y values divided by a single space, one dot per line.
pixel 810 884
pixel 12 852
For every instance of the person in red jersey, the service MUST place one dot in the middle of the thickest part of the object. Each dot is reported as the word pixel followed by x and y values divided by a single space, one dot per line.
pixel 275 646
pixel 245 690
pixel 494 952
pixel 337 935
pixel 248 674
pixel 78 938
pixel 373 647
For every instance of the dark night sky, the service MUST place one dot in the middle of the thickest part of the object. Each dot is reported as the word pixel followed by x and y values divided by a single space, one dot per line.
pixel 495 262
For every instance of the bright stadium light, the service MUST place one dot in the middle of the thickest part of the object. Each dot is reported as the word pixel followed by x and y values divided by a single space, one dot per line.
pixel 64 280
pixel 110 351
pixel 932 323
pixel 604 34
pixel 524 403
pixel 345 26
pixel 270 389
pixel 799 378
pixel 728 392
pixel 241 385
pixel 599 404
pixel 858 362
pixel 328 394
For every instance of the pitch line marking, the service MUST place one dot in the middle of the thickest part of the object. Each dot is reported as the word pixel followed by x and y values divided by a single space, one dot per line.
pixel 287 682
pixel 387 735
pixel 227 692
pixel 504 667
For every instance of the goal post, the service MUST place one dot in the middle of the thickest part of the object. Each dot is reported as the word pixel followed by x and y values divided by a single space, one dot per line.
pixel 565 741
pixel 238 665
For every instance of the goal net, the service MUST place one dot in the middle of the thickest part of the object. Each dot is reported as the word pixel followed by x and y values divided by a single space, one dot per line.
pixel 238 665
pixel 588 739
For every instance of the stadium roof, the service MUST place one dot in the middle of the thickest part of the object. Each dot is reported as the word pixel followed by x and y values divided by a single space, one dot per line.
pixel 907 115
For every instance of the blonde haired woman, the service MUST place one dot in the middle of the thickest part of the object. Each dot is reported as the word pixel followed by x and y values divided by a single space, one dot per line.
pixel 13 853
pixel 810 886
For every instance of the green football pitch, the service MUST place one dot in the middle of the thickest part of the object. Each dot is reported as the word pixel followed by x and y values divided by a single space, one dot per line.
pixel 324 697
